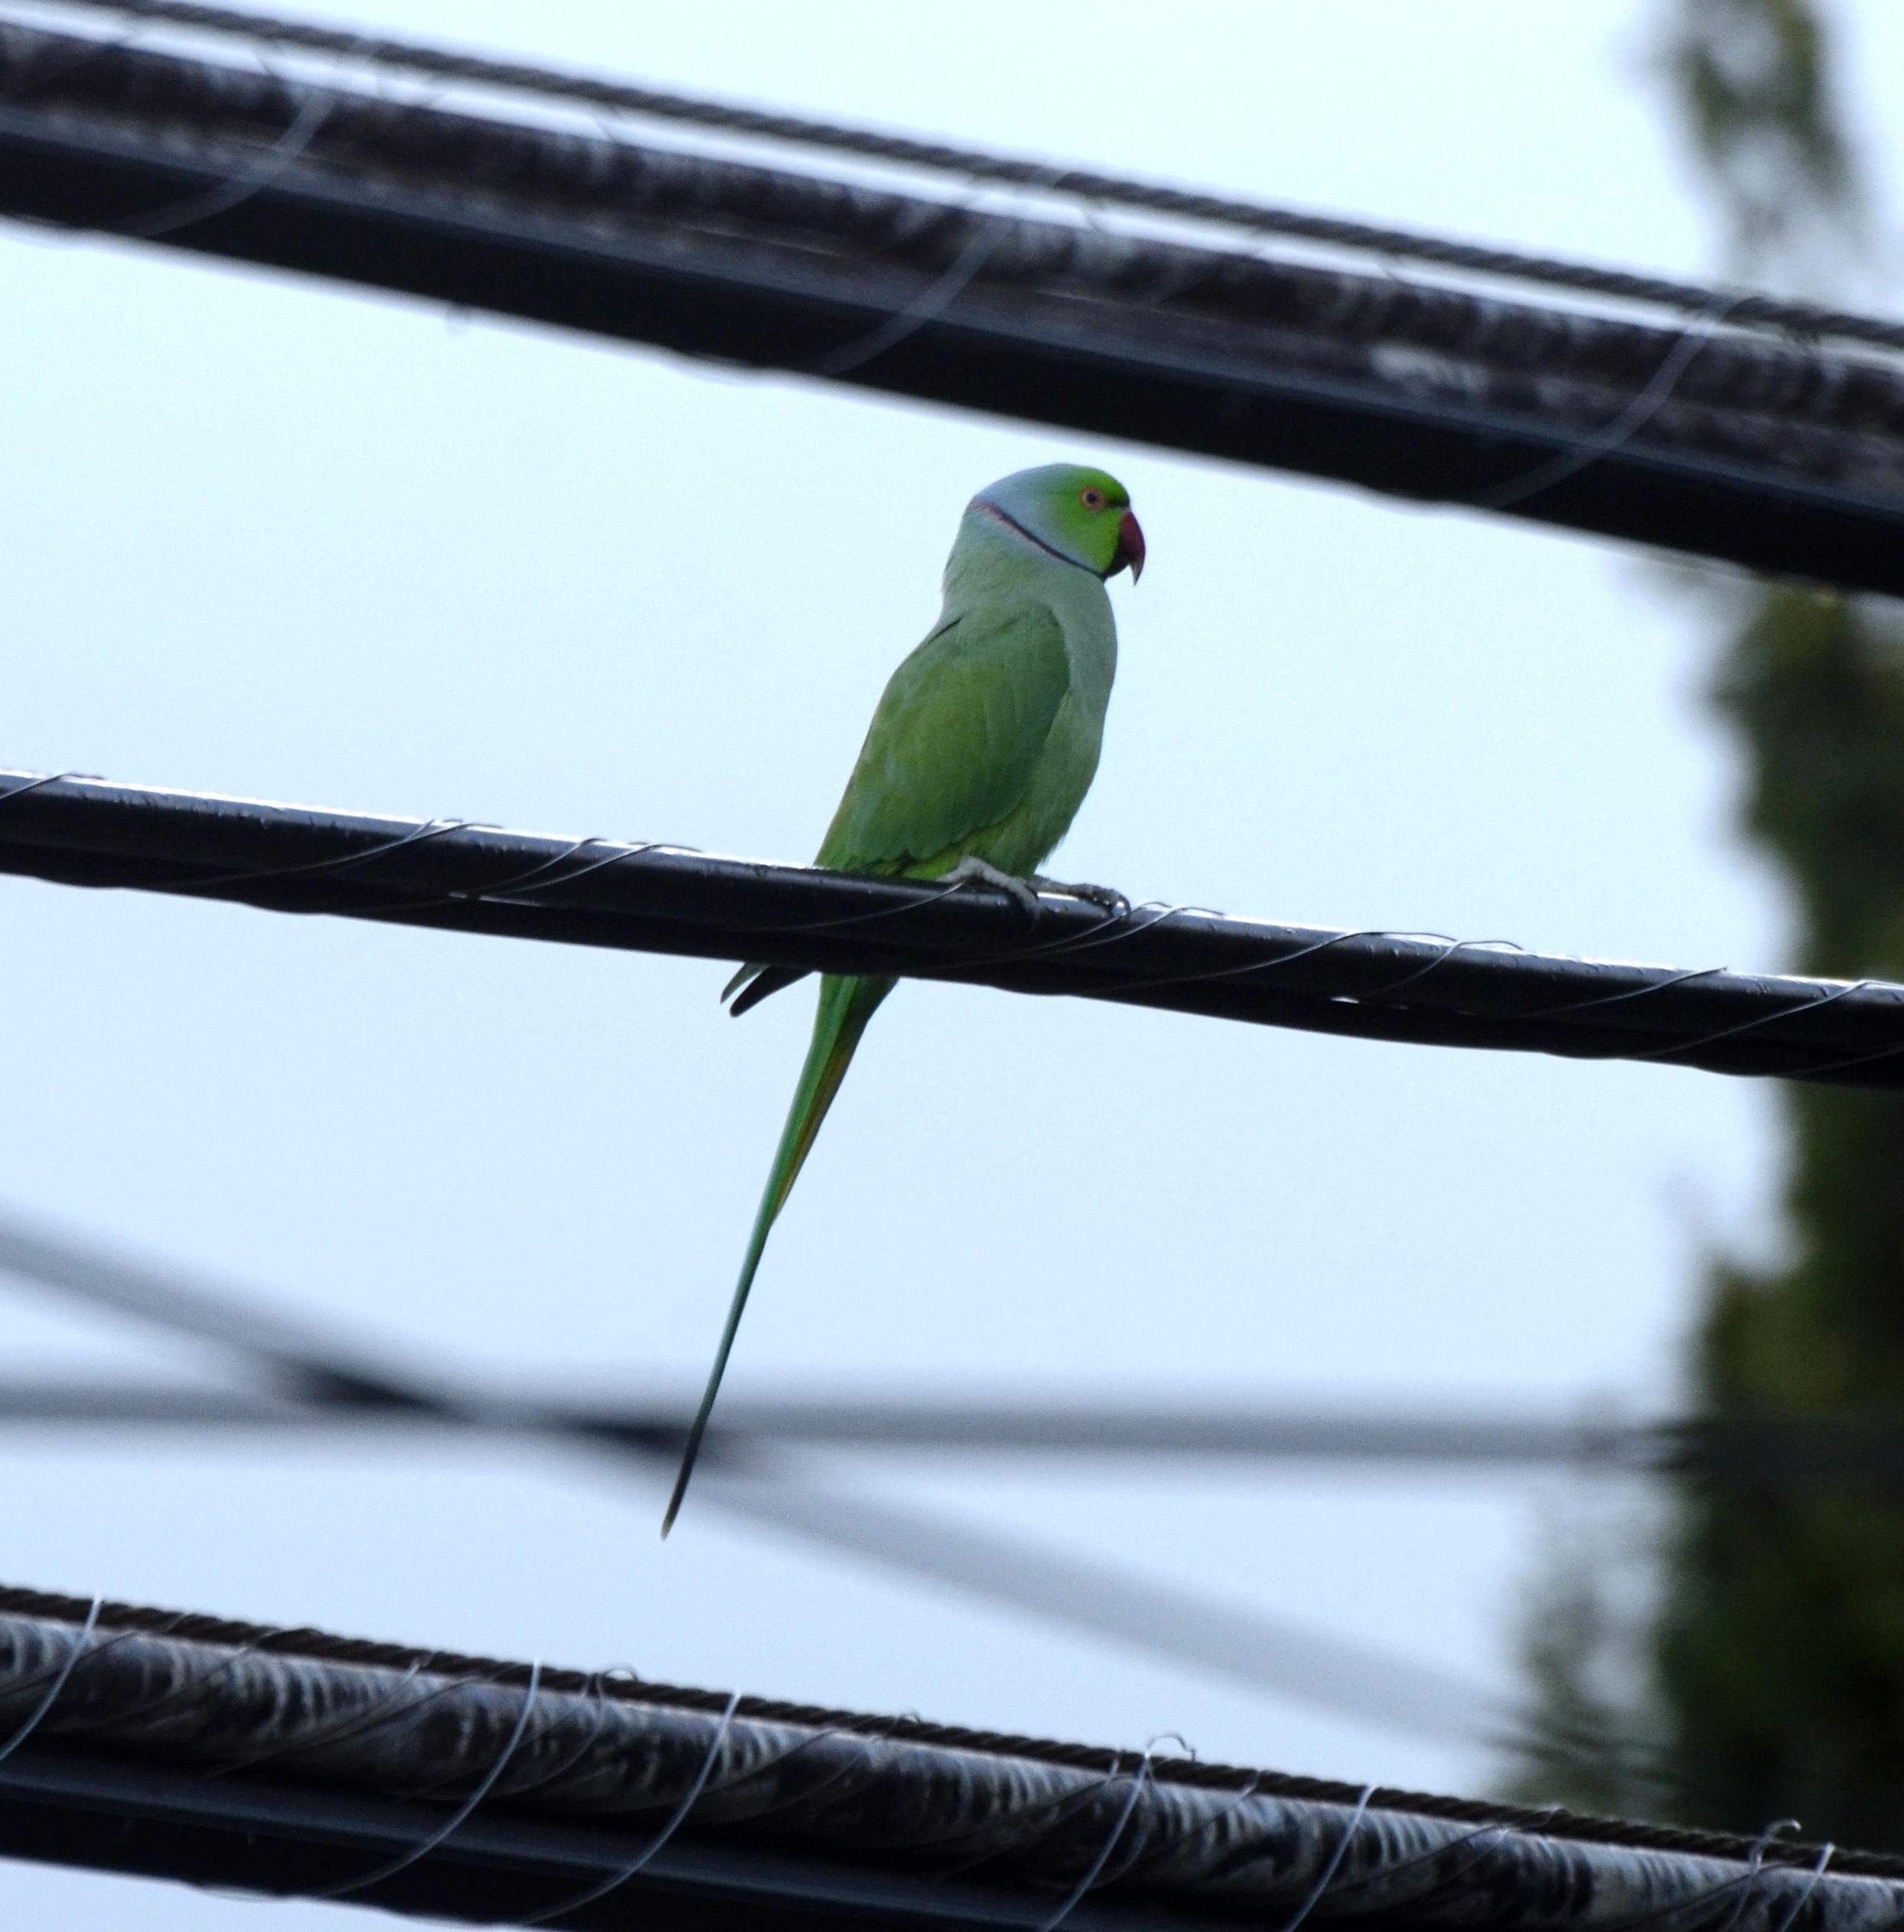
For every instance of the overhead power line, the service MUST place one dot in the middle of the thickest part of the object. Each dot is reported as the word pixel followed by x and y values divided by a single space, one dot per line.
pixel 1781 1453
pixel 1705 437
pixel 1092 187
pixel 295 1375
pixel 312 1377
pixel 298 1375
pixel 296 1764
pixel 448 874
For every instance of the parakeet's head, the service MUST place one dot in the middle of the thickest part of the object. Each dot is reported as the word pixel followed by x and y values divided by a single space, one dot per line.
pixel 1080 514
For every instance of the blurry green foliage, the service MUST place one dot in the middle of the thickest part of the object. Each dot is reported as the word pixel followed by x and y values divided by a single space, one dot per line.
pixel 1750 84
pixel 1780 1633
pixel 1767 1679
pixel 1587 1739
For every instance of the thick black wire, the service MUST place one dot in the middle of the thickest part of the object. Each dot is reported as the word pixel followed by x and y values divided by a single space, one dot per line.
pixel 522 884
pixel 1753 1858
pixel 1802 319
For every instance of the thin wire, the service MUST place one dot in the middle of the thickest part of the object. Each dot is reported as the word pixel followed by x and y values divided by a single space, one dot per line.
pixel 81 1638
pixel 1265 966
pixel 1237 1800
pixel 1103 1859
pixel 1495 1828
pixel 462 1811
pixel 935 891
pixel 1757 1860
pixel 1060 1805
pixel 166 1626
pixel 1623 427
pixel 1750 1026
pixel 1632 992
pixel 677 1820
pixel 347 1725
pixel 931 890
pixel 514 882
pixel 1748 310
pixel 1441 959
pixel 1747 1880
pixel 36 784
pixel 1813 1071
pixel 1454 945
pixel 1329 1870
pixel 868 1739
pixel 914 317
pixel 596 1688
pixel 247 182
pixel 1811 1886
pixel 189 1689
pixel 505 889
pixel 417 834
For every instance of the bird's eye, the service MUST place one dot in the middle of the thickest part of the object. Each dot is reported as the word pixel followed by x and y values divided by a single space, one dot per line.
pixel 1092 499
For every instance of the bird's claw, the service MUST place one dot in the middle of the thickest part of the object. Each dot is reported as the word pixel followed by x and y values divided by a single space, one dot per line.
pixel 969 871
pixel 1106 898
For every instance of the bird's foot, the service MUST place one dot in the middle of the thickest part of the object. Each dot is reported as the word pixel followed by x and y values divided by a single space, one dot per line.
pixel 972 870
pixel 1106 898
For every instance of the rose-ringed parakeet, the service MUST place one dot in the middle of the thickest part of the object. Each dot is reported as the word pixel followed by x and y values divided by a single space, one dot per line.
pixel 980 752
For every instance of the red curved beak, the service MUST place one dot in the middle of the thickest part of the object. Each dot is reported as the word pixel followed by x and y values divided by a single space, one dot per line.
pixel 1130 548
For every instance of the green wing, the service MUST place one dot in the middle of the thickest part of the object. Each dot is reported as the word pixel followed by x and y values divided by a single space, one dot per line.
pixel 951 750
pixel 955 740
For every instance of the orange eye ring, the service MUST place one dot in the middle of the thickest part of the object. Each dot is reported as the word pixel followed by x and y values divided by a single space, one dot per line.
pixel 1092 498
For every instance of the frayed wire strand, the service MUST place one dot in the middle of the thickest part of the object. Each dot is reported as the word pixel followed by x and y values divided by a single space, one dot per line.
pixel 82 1639
pixel 596 1687
pixel 1631 992
pixel 351 1724
pixel 463 1811
pixel 888 334
pixel 1810 1886
pixel 677 1818
pixel 1322 1884
pixel 1096 1865
pixel 1153 1855
pixel 1624 426
pixel 431 828
pixel 1483 1836
pixel 1752 1026
pixel 1747 1882
pixel 40 784
pixel 1754 1865
pixel 247 182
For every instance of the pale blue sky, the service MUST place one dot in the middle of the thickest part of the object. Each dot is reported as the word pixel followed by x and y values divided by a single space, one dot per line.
pixel 267 537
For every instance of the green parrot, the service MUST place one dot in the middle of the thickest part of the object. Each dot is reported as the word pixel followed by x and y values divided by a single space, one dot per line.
pixel 978 756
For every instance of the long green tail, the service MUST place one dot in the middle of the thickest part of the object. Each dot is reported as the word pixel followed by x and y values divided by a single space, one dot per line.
pixel 845 1005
